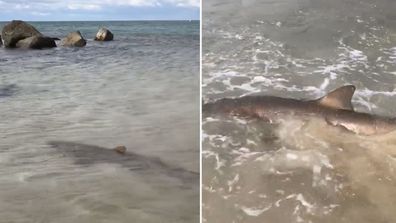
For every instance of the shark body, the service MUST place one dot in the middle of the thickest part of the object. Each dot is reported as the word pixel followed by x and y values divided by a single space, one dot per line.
pixel 336 108
pixel 8 90
pixel 86 155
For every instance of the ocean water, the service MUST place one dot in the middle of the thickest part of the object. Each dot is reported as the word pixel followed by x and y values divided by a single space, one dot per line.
pixel 298 170
pixel 63 109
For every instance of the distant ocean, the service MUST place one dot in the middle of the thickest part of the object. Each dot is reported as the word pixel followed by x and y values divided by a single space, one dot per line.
pixel 140 90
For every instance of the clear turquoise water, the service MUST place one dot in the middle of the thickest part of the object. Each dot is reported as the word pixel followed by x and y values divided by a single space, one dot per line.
pixel 140 90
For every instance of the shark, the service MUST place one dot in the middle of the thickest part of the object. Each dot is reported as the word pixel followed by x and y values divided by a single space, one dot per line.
pixel 8 90
pixel 87 155
pixel 335 108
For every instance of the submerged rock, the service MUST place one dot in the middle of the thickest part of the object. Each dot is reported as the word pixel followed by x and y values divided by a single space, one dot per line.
pixel 17 30
pixel 74 39
pixel 104 35
pixel 36 42
pixel 120 149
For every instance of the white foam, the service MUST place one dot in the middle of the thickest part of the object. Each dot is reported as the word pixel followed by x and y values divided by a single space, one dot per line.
pixel 253 211
pixel 232 182
pixel 291 156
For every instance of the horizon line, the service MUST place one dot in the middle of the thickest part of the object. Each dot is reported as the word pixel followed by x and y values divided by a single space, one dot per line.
pixel 107 20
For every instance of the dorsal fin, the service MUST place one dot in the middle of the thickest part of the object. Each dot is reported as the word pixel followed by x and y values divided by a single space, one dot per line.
pixel 339 98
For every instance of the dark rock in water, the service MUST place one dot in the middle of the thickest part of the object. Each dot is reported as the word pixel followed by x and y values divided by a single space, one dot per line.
pixel 55 38
pixel 36 42
pixel 17 30
pixel 21 34
pixel 1 41
pixel 120 149
pixel 104 35
pixel 74 39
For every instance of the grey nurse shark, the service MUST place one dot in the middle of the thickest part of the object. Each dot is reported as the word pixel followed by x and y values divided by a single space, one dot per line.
pixel 335 108
pixel 86 155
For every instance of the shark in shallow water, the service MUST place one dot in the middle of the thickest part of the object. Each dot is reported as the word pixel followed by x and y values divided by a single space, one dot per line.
pixel 335 107
pixel 8 90
pixel 86 155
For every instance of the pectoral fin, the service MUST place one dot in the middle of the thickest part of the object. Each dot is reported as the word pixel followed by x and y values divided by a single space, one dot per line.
pixel 357 128
pixel 342 125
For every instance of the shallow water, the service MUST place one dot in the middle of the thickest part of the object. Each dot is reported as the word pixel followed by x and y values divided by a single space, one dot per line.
pixel 298 171
pixel 140 90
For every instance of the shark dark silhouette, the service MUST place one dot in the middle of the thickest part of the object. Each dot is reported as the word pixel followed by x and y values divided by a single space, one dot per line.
pixel 8 90
pixel 336 108
pixel 86 155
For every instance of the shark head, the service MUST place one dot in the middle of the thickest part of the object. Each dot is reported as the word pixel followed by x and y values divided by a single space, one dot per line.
pixel 361 123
